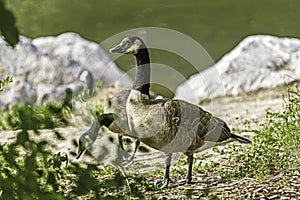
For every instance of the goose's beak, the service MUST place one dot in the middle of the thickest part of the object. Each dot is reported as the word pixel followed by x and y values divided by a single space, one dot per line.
pixel 117 49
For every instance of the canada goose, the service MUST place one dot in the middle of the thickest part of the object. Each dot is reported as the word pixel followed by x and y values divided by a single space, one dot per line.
pixel 115 120
pixel 165 124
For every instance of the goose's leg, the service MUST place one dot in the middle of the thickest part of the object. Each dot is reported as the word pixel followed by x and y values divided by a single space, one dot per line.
pixel 190 160
pixel 188 179
pixel 160 183
pixel 168 165
pixel 137 144
pixel 120 138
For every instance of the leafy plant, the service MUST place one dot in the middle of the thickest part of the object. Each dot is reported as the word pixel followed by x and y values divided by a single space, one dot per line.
pixel 275 146
pixel 27 172
pixel 30 171
pixel 28 117
pixel 7 25
pixel 4 82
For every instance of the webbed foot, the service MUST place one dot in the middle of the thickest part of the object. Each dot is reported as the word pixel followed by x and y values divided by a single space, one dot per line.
pixel 160 183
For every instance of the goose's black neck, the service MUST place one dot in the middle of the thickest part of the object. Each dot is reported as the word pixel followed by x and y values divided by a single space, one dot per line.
pixel 142 81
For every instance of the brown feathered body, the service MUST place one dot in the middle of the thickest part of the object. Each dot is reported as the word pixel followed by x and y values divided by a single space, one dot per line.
pixel 173 125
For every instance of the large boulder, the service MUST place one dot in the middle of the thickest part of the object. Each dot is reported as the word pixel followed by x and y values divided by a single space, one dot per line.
pixel 44 68
pixel 257 62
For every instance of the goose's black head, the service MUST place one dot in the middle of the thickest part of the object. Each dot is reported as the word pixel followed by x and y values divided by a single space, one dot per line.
pixel 129 45
pixel 136 47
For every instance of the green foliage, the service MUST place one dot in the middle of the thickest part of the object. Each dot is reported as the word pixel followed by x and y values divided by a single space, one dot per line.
pixel 7 26
pixel 28 117
pixel 99 84
pixel 275 146
pixel 28 171
pixel 4 82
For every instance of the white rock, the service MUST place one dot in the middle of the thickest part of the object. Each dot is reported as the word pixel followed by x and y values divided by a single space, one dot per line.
pixel 257 62
pixel 44 67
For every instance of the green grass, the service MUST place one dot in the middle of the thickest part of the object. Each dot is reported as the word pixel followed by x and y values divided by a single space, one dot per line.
pixel 275 147
pixel 29 171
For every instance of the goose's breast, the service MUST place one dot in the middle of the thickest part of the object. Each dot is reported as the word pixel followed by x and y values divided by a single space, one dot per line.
pixel 146 121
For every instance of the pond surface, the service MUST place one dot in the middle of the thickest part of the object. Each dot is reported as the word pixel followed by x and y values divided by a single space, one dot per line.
pixel 217 25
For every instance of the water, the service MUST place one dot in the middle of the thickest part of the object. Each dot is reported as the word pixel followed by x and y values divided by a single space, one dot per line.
pixel 217 25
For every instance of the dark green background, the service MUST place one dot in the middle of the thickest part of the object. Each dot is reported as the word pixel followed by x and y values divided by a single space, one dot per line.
pixel 218 25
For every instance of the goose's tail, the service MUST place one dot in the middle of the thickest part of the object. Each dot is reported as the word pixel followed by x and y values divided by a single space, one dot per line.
pixel 240 139
pixel 226 133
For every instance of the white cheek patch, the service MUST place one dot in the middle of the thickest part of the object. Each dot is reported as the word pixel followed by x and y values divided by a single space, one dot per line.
pixel 134 48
